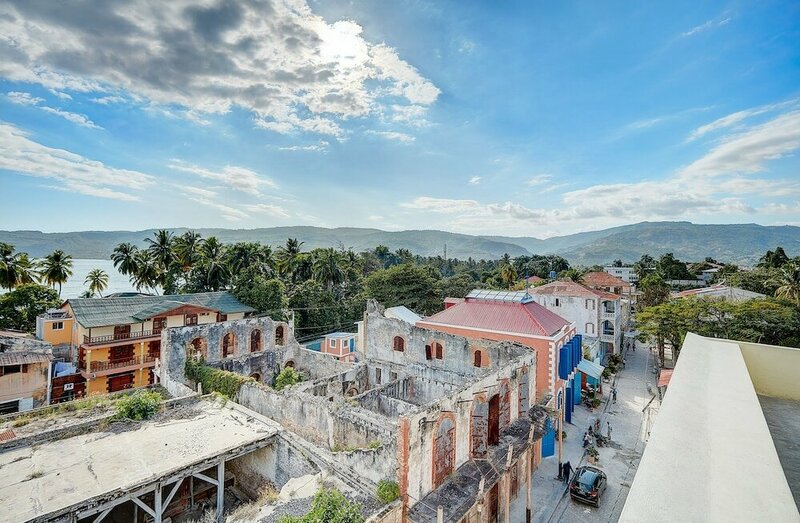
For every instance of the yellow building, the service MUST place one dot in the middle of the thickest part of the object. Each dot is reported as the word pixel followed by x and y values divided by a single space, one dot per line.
pixel 117 339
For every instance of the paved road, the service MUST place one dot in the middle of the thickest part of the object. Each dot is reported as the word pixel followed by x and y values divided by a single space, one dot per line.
pixel 630 428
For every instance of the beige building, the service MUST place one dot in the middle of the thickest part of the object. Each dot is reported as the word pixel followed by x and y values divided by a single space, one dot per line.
pixel 723 447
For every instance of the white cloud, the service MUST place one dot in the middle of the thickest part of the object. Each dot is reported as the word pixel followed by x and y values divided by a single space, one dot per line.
pixel 70 171
pixel 109 100
pixel 61 95
pixel 540 179
pixel 27 99
pixel 23 98
pixel 410 114
pixel 321 146
pixel 442 205
pixel 475 180
pixel 287 66
pixel 263 208
pixel 393 135
pixel 466 47
pixel 748 152
pixel 238 178
pixel 709 24
pixel 736 118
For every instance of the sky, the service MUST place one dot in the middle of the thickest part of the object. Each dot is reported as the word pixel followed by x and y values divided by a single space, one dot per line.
pixel 527 118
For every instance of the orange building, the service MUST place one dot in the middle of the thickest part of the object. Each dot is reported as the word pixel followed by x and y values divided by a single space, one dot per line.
pixel 117 339
pixel 341 345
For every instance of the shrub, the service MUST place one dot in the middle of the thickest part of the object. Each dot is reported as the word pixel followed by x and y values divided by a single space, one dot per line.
pixel 329 506
pixel 214 380
pixel 388 491
pixel 286 378
pixel 140 405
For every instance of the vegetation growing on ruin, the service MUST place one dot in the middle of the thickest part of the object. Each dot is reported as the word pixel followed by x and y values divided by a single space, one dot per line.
pixel 141 405
pixel 388 491
pixel 214 380
pixel 286 378
pixel 329 506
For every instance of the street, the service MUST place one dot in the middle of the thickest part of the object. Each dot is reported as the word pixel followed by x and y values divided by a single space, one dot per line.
pixel 618 460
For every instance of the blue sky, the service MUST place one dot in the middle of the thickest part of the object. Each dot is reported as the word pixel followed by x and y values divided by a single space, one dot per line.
pixel 514 118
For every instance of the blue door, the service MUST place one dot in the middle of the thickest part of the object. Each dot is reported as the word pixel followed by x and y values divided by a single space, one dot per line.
pixel 568 406
pixel 549 440
pixel 576 389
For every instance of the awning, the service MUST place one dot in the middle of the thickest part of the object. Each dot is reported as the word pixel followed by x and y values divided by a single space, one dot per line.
pixel 664 377
pixel 591 368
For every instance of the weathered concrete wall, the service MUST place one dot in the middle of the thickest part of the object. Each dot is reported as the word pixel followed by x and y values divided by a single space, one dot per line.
pixel 351 382
pixel 272 465
pixel 384 400
pixel 423 424
pixel 176 343
pixel 373 464
pixel 312 363
pixel 29 387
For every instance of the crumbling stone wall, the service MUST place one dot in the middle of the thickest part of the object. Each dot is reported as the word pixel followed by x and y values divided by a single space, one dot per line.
pixel 176 343
pixel 383 403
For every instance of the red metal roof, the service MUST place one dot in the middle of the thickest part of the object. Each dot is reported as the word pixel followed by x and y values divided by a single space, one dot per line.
pixel 514 317
pixel 603 279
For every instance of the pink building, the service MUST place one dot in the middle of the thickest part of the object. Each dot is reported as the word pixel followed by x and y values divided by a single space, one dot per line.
pixel 342 345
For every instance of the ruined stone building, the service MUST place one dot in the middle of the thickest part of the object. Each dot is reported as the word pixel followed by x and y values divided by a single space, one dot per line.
pixel 25 372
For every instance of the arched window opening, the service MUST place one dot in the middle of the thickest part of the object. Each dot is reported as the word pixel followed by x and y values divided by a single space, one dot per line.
pixel 399 344
pixel 427 352
pixel 279 336
pixel 477 359
pixel 255 341
pixel 228 345
pixel 444 450
pixel 438 350
pixel 198 347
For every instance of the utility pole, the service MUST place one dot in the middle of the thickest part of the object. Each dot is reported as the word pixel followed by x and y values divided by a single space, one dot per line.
pixel 560 432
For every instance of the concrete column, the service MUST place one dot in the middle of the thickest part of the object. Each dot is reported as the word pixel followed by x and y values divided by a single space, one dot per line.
pixel 220 490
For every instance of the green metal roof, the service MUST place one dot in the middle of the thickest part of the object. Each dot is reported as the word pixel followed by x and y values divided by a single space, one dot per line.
pixel 100 312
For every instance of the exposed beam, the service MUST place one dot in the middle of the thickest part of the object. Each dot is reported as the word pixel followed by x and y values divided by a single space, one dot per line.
pixel 172 493
pixel 220 490
pixel 103 514
pixel 205 478
pixel 144 506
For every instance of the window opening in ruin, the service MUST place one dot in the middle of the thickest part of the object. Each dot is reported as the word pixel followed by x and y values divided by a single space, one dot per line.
pixel 427 352
pixel 255 340
pixel 399 344
pixel 279 335
pixel 228 345
pixel 494 420
pixel 438 350
pixel 477 358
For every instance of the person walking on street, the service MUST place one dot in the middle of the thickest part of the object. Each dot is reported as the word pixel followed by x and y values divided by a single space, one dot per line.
pixel 597 426
pixel 609 430
pixel 614 394
pixel 586 439
pixel 567 471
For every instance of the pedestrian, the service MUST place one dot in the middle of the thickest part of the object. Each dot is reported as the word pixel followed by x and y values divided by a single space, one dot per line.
pixel 567 471
pixel 597 425
pixel 591 432
pixel 614 394
pixel 609 430
pixel 623 363
pixel 586 439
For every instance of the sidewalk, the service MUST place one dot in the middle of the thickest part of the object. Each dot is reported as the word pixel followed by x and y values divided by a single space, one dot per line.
pixel 618 460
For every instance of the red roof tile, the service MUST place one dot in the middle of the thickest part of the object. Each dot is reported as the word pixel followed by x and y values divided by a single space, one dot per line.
pixel 570 288
pixel 603 279
pixel 514 317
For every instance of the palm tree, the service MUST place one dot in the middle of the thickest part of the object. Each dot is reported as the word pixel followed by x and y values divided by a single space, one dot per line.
pixel 326 268
pixel 162 253
pixel 97 279
pixel 789 281
pixel 508 274
pixel 287 258
pixel 15 268
pixel 124 258
pixel 187 249
pixel 145 274
pixel 56 268
pixel 217 271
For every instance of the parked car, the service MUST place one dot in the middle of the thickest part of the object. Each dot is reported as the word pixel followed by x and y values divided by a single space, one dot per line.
pixel 587 485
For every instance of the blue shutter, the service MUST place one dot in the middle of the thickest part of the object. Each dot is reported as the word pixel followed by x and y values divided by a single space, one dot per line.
pixel 568 406
pixel 549 440
pixel 563 362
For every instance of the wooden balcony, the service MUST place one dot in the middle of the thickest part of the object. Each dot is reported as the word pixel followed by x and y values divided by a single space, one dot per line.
pixel 119 337
pixel 104 368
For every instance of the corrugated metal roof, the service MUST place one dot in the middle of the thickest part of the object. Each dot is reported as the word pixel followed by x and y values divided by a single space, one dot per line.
pixel 603 279
pixel 99 312
pixel 521 318
pixel 22 358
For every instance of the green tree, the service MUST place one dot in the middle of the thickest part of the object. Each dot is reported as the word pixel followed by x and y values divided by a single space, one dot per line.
pixel 575 274
pixel 407 284
pixel 286 378
pixel 326 268
pixel 267 296
pixel 773 259
pixel 215 270
pixel 457 286
pixel 654 290
pixel 56 269
pixel 644 266
pixel 124 258
pixel 508 274
pixel 287 258
pixel 15 268
pixel 162 254
pixel 97 279
pixel 763 280
pixel 788 282
pixel 145 274
pixel 316 309
pixel 20 307
pixel 670 268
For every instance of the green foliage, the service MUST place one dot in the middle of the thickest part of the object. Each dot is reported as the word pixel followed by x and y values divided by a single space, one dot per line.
pixel 670 268
pixel 388 491
pixel 263 294
pixel 654 290
pixel 407 284
pixel 286 378
pixel 214 380
pixel 766 320
pixel 329 506
pixel 19 308
pixel 141 405
pixel 457 286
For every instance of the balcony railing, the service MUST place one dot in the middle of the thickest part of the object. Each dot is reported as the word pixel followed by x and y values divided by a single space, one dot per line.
pixel 607 337
pixel 100 366
pixel 110 338
pixel 607 315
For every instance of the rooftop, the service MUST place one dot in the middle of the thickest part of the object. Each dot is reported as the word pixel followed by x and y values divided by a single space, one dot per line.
pixel 59 477
pixel 23 358
pixel 721 291
pixel 511 316
pixel 603 279
pixel 402 313
pixel 570 288
pixel 99 312
pixel 712 453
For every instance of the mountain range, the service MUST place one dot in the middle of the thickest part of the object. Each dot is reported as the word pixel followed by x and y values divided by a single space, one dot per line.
pixel 732 243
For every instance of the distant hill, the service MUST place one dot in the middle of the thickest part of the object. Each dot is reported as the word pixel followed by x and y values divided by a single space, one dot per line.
pixel 736 243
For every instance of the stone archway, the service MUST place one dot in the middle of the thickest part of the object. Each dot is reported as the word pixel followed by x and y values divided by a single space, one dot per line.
pixel 229 345
pixel 198 346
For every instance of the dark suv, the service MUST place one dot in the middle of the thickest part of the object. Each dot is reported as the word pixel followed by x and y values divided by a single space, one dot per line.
pixel 588 485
